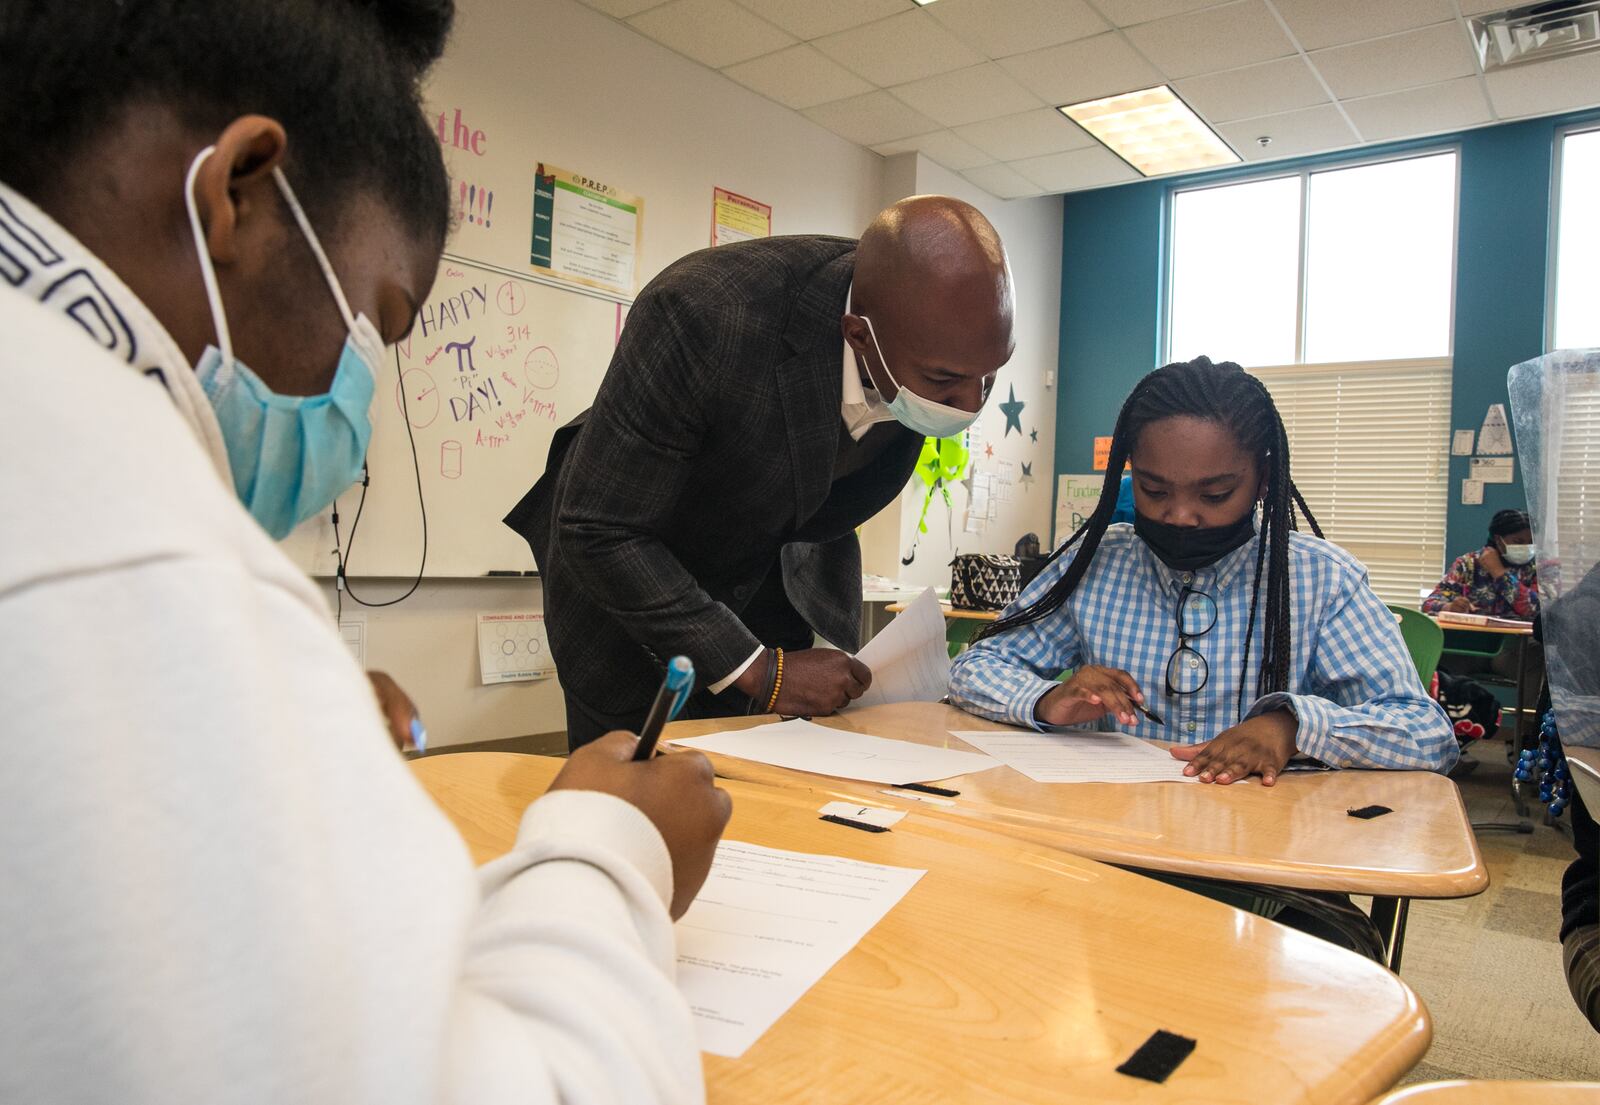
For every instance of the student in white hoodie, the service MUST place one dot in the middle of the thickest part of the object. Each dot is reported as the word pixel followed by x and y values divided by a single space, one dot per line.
pixel 220 884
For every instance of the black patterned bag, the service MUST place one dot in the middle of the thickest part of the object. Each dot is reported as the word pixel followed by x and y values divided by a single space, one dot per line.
pixel 984 581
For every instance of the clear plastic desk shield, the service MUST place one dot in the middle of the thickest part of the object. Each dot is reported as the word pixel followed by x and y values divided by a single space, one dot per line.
pixel 1555 407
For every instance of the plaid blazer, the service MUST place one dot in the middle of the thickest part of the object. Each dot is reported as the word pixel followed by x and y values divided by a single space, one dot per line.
pixel 710 447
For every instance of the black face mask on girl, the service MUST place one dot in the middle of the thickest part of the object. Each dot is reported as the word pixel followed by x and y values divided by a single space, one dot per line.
pixel 1189 548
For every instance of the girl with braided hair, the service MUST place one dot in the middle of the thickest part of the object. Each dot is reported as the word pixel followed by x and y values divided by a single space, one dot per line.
pixel 1212 621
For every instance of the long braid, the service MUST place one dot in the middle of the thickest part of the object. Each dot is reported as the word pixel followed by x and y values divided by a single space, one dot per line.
pixel 1227 395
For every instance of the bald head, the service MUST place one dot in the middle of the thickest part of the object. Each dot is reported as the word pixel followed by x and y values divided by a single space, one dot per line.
pixel 932 276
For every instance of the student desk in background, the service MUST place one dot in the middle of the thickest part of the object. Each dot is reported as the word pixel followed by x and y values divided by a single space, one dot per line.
pixel 954 614
pixel 1520 637
pixel 960 625
pixel 1295 834
pixel 1012 973
pixel 1496 1093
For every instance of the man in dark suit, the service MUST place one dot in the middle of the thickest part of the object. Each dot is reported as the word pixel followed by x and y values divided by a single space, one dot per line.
pixel 765 399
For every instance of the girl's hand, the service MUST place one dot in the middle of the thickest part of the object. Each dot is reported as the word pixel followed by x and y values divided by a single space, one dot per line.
pixel 1260 746
pixel 1091 693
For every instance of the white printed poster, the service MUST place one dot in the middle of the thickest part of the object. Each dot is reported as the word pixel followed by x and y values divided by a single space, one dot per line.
pixel 513 648
pixel 1076 498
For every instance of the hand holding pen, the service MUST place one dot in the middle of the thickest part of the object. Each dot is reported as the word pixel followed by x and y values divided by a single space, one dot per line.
pixel 1094 692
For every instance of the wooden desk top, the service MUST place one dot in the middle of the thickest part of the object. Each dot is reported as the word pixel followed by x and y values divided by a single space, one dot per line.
pixel 1013 974
pixel 1585 766
pixel 951 612
pixel 1494 630
pixel 1296 834
pixel 1587 759
pixel 1495 1093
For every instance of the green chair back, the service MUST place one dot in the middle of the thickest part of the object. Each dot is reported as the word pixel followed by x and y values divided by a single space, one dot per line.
pixel 1424 639
pixel 958 633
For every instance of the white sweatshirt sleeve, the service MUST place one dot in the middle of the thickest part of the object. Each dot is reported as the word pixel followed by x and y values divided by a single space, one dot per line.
pixel 222 884
pixel 624 1042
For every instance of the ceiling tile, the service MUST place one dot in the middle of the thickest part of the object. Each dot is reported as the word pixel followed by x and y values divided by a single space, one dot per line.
pixel 622 8
pixel 1433 109
pixel 942 146
pixel 1319 23
pixel 1030 134
pixel 712 32
pixel 904 47
pixel 1254 90
pixel 1003 181
pixel 814 18
pixel 1001 28
pixel 1067 172
pixel 1309 130
pixel 1084 70
pixel 1410 59
pixel 967 95
pixel 1126 13
pixel 1217 38
pixel 1479 7
pixel 1544 87
pixel 798 77
pixel 870 119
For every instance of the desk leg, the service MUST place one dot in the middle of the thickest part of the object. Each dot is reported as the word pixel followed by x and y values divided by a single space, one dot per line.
pixel 1389 915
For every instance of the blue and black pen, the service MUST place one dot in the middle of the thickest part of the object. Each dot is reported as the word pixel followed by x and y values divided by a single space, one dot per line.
pixel 674 692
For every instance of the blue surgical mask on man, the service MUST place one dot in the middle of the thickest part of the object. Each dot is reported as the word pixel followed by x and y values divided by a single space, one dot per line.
pixel 917 413
pixel 290 455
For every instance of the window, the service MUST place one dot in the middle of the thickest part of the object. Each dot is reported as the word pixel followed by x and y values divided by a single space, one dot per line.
pixel 1236 255
pixel 1369 446
pixel 1576 314
pixel 1335 286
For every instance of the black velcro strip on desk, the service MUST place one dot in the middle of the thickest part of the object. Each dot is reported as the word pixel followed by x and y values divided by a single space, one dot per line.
pixel 1367 813
pixel 862 825
pixel 1158 1056
pixel 925 788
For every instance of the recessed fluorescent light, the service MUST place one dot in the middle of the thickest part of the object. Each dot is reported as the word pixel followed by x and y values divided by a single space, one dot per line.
pixel 1152 130
pixel 922 3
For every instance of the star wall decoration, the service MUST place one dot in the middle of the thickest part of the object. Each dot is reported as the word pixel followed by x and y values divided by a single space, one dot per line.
pixel 1033 435
pixel 988 451
pixel 1027 473
pixel 1013 412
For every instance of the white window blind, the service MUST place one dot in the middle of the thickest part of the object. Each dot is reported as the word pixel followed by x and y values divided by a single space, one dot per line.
pixel 1369 448
pixel 1578 477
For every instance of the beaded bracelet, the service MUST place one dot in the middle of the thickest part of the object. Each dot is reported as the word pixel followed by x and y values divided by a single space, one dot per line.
pixel 777 683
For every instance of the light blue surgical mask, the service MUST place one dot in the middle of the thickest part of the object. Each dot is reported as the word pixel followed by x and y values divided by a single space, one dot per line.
pixel 290 455
pixel 926 417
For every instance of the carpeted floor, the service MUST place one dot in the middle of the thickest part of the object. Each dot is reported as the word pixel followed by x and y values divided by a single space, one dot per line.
pixel 1489 968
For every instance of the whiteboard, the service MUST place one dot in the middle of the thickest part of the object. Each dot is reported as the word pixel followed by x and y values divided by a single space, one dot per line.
pixel 494 365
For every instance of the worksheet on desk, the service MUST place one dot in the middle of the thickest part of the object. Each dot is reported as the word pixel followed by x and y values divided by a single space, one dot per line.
pixel 1079 756
pixel 801 745
pixel 909 659
pixel 766 926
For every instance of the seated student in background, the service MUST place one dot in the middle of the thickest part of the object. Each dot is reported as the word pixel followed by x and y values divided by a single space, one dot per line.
pixel 1499 579
pixel 222 883
pixel 1253 646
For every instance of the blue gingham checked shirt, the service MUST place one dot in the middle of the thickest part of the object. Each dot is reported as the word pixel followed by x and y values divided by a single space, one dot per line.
pixel 1352 683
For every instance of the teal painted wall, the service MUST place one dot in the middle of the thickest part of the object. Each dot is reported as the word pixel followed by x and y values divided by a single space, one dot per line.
pixel 1113 257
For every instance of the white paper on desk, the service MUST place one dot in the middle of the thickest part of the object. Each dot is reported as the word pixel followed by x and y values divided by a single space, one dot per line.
pixel 766 926
pixel 1079 756
pixel 801 745
pixel 909 659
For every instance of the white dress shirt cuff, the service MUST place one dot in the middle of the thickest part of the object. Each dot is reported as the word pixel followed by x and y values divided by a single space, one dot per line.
pixel 727 680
